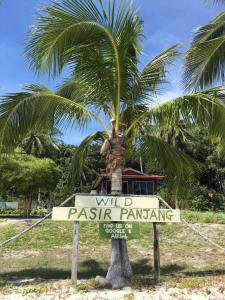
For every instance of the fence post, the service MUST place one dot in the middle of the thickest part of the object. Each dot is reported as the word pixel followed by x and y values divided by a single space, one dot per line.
pixel 156 253
pixel 75 252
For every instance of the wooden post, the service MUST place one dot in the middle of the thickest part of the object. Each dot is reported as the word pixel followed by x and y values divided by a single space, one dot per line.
pixel 75 252
pixel 156 253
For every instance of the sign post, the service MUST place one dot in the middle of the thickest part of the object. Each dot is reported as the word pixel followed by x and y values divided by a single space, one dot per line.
pixel 156 253
pixel 119 209
pixel 75 252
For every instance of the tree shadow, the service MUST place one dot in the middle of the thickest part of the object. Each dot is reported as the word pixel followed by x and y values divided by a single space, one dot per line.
pixel 86 269
pixel 90 268
pixel 143 267
pixel 204 273
pixel 171 269
pixel 45 273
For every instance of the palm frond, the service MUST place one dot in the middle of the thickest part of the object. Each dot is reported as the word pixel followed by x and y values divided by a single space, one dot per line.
pixel 179 167
pixel 145 86
pixel 205 60
pixel 85 94
pixel 204 109
pixel 25 111
pixel 215 2
pixel 92 42
pixel 149 80
pixel 78 160
pixel 40 144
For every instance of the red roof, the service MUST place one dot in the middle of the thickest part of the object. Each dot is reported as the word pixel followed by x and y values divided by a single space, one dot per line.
pixel 130 173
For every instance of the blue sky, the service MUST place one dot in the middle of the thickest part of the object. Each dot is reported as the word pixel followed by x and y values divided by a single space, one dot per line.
pixel 166 22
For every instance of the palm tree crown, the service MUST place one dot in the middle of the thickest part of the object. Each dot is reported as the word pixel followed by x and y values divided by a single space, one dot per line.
pixel 102 48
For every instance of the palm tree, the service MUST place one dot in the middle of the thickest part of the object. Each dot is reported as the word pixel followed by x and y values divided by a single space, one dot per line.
pixel 102 49
pixel 41 143
pixel 205 60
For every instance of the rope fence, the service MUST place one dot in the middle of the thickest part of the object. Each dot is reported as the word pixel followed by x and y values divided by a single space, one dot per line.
pixel 35 224
pixel 190 226
pixel 193 228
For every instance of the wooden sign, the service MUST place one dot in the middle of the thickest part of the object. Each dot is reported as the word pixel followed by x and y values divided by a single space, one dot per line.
pixel 116 201
pixel 115 214
pixel 127 231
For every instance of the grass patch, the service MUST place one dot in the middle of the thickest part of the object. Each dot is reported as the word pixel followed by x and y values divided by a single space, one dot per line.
pixel 129 296
pixel 204 217
pixel 87 285
pixel 38 289
pixel 45 252
pixel 196 282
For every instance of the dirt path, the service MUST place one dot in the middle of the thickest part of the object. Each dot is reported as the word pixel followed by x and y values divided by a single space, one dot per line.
pixel 16 221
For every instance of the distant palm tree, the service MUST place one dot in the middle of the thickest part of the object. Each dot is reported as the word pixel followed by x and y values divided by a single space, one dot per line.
pixel 102 49
pixel 205 60
pixel 40 143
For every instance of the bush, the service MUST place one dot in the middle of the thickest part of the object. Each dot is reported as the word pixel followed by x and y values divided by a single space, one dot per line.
pixel 35 212
pixel 38 212
pixel 9 211
pixel 205 198
pixel 200 203
pixel 199 198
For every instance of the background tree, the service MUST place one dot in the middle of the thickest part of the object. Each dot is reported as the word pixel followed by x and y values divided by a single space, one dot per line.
pixel 102 48
pixel 41 143
pixel 24 174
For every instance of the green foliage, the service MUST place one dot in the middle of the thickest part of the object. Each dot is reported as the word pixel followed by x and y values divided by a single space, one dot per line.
pixel 205 60
pixel 63 161
pixel 203 217
pixel 200 203
pixel 24 174
pixel 86 158
pixel 102 48
pixel 204 198
pixel 5 212
pixel 203 149
pixel 35 212
pixel 40 143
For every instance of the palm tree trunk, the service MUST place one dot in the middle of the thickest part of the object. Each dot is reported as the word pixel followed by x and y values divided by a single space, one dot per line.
pixel 120 270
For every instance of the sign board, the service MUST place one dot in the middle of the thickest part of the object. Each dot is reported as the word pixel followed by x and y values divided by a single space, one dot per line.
pixel 119 230
pixel 116 201
pixel 115 214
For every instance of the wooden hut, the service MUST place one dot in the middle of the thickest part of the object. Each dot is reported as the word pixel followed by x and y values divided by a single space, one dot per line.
pixel 134 183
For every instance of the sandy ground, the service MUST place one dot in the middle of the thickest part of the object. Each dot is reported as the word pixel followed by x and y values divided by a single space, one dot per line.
pixel 15 221
pixel 161 293
pixel 171 294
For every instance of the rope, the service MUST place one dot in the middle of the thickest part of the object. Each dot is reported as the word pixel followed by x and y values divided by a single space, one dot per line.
pixel 35 224
pixel 193 228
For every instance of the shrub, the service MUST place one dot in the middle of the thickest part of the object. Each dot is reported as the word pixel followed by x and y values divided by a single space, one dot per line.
pixel 35 212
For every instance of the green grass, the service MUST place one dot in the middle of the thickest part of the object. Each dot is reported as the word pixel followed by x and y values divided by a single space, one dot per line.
pixel 129 296
pixel 204 217
pixel 45 252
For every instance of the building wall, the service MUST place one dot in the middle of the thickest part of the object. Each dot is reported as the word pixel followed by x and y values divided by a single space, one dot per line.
pixel 131 184
pixel 12 205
